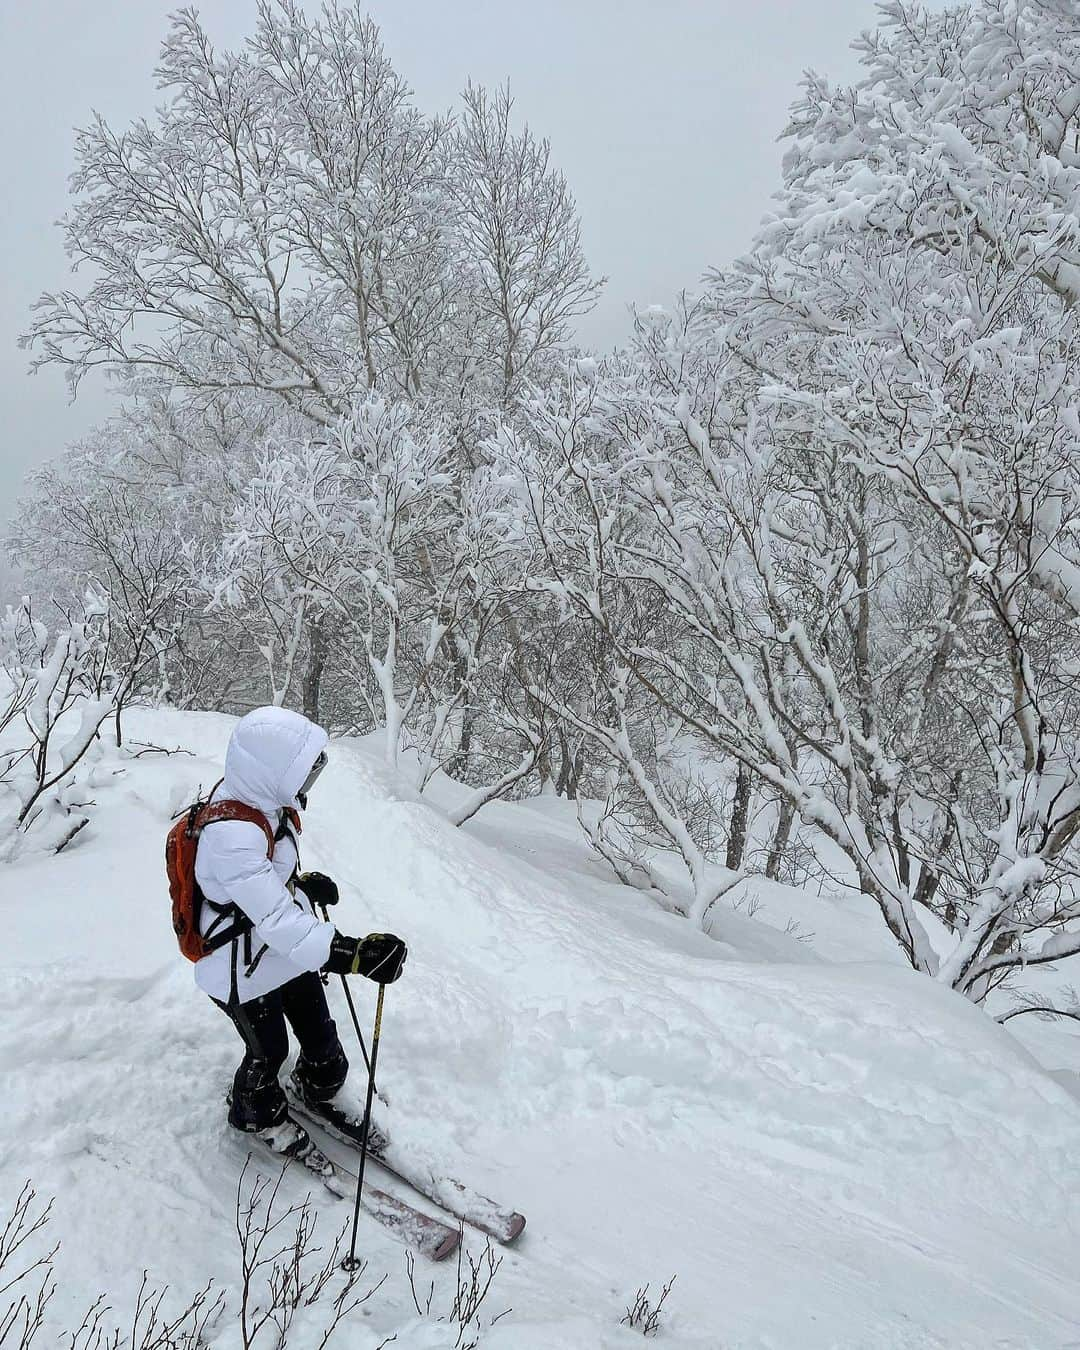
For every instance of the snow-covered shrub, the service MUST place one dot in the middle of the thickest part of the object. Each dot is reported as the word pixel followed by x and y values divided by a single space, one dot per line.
pixel 473 1279
pixel 59 686
pixel 30 1279
pixel 122 511
pixel 645 1312
pixel 290 1290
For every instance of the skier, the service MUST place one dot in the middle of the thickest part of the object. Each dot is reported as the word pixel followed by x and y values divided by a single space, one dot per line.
pixel 264 975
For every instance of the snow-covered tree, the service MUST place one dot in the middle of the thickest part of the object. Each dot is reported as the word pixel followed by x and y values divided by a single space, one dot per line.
pixel 289 235
pixel 521 240
pixel 847 480
pixel 293 225
pixel 912 307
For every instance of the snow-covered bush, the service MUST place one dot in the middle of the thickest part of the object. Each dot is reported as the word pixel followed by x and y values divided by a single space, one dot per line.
pixel 645 1312
pixel 59 687
pixel 87 524
pixel 290 1290
pixel 473 1278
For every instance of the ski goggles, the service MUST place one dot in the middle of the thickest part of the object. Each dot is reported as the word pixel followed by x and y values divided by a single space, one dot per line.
pixel 309 781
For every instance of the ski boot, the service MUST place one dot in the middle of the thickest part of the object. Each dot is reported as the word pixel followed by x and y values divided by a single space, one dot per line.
pixel 341 1115
pixel 291 1142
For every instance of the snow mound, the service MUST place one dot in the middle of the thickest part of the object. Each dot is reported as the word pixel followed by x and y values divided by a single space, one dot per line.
pixel 827 1153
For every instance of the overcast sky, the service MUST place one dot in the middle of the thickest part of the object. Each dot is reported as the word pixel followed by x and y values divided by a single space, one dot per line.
pixel 663 116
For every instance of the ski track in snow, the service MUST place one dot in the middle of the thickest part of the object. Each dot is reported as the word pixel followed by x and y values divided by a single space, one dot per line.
pixel 828 1155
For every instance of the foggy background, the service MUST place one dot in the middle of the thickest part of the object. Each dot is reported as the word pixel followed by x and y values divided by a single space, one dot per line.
pixel 664 119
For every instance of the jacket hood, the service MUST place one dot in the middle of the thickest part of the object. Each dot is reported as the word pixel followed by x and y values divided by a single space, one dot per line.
pixel 270 753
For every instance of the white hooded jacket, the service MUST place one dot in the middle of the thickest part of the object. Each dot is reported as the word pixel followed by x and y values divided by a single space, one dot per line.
pixel 271 752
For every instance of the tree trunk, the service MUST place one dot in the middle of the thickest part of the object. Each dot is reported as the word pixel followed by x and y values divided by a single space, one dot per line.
pixel 571 763
pixel 740 815
pixel 314 673
pixel 781 838
pixel 457 765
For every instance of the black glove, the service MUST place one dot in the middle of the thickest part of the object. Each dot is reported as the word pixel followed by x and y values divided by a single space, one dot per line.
pixel 379 956
pixel 318 887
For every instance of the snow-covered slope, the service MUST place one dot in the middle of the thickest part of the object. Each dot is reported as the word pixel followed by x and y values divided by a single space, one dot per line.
pixel 827 1153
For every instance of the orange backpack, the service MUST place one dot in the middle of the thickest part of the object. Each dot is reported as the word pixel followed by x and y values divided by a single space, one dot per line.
pixel 181 844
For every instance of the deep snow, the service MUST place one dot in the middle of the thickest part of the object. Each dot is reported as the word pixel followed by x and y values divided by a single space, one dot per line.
pixel 828 1152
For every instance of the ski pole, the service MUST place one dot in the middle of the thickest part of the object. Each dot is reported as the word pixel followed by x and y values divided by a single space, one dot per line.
pixel 350 1263
pixel 352 1007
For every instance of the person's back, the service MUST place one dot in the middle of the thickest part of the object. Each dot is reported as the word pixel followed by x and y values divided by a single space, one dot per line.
pixel 265 976
pixel 270 756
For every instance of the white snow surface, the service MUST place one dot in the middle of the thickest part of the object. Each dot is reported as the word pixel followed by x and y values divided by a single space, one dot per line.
pixel 828 1152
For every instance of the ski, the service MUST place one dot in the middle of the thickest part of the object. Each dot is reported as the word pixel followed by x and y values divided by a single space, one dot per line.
pixel 428 1236
pixel 505 1225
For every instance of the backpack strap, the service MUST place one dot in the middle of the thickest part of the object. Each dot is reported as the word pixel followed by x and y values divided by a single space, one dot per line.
pixel 217 936
pixel 212 812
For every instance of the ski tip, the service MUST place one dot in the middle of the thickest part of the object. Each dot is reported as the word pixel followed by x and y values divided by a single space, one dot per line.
pixel 447 1247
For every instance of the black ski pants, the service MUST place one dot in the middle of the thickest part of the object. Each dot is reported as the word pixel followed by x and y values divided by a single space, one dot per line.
pixel 257 1100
